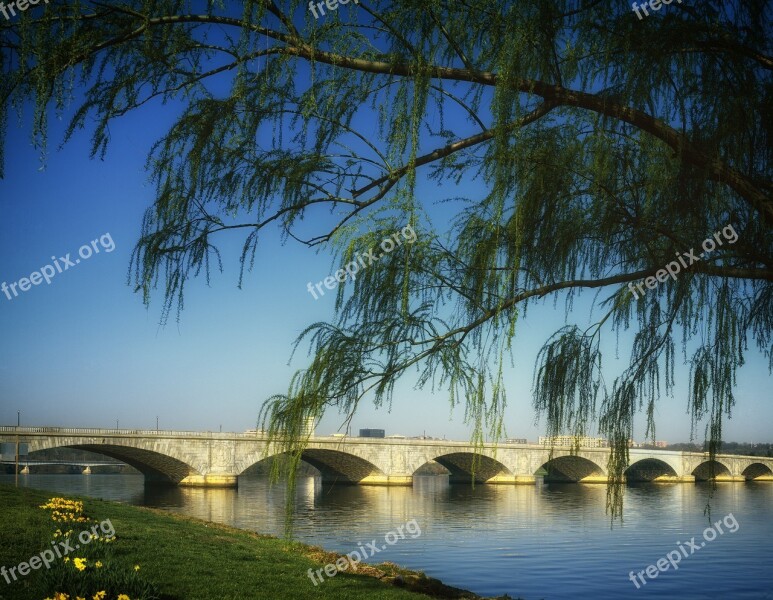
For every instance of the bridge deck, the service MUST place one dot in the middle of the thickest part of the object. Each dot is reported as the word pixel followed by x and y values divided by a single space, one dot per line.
pixel 209 458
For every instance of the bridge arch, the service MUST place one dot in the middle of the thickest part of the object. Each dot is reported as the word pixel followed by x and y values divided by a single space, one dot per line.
pixel 335 466
pixel 464 467
pixel 711 469
pixel 155 465
pixel 649 469
pixel 573 468
pixel 757 471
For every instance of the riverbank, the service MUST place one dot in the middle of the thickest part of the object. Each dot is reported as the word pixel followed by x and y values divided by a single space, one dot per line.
pixel 190 559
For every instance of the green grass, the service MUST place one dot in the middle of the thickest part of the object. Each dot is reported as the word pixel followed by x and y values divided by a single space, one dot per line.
pixel 188 559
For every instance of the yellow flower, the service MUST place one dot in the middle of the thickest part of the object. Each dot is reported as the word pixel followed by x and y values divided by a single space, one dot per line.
pixel 61 596
pixel 79 598
pixel 98 564
pixel 100 595
pixel 136 567
pixel 80 564
pixel 66 559
pixel 123 597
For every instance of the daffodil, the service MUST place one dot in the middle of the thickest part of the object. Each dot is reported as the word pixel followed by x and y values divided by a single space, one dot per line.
pixel 123 597
pixel 136 567
pixel 100 595
pixel 98 564
pixel 80 564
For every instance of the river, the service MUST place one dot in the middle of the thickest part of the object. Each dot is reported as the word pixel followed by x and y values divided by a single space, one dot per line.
pixel 543 542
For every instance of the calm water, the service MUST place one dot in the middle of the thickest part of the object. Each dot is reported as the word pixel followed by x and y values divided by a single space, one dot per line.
pixel 549 542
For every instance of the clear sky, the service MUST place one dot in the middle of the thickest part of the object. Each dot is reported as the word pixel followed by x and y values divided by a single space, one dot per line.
pixel 84 351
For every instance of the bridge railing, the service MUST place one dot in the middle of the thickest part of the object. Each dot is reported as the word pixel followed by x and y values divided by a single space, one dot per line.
pixel 78 463
pixel 97 431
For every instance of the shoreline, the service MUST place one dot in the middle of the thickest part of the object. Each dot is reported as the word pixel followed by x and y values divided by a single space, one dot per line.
pixel 223 558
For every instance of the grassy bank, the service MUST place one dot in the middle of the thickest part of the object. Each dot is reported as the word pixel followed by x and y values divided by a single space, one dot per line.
pixel 187 559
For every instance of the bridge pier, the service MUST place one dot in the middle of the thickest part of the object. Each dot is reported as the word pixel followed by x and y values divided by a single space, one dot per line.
pixel 674 479
pixel 387 480
pixel 603 479
pixel 513 479
pixel 210 481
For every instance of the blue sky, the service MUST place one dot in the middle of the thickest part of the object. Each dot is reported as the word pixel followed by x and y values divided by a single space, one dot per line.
pixel 84 351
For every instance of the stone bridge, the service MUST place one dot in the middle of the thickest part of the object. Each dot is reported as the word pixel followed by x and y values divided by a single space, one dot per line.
pixel 217 459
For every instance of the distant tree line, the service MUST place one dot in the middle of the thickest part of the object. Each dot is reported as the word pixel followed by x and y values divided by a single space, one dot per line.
pixel 746 448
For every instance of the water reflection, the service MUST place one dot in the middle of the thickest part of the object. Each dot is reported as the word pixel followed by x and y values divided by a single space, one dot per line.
pixel 551 541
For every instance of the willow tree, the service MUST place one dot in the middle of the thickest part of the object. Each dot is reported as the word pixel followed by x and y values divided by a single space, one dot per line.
pixel 603 144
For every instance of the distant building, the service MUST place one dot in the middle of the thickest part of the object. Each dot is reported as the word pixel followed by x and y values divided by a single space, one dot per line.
pixel 396 436
pixel 309 427
pixel 571 440
pixel 515 441
pixel 659 444
pixel 337 435
pixel 372 433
